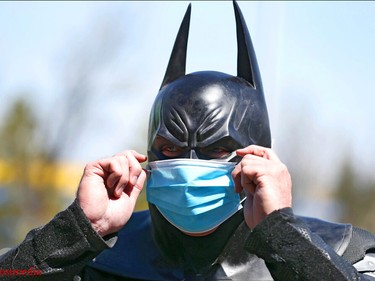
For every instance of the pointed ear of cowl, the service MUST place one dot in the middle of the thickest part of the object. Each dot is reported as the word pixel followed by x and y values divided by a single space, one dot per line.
pixel 247 65
pixel 177 62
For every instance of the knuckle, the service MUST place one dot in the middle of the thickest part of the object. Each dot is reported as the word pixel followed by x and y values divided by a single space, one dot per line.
pixel 89 167
pixel 129 153
pixel 116 167
pixel 119 154
pixel 136 170
pixel 247 157
pixel 121 159
pixel 246 169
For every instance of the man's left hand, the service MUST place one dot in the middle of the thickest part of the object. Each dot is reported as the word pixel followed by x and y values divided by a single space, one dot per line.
pixel 265 180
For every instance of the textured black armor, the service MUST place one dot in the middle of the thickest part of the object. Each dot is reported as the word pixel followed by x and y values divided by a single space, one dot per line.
pixel 282 247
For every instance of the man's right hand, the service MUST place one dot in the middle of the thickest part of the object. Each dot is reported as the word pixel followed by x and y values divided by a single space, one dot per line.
pixel 109 189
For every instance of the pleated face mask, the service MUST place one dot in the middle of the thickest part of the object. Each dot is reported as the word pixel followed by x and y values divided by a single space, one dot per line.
pixel 193 195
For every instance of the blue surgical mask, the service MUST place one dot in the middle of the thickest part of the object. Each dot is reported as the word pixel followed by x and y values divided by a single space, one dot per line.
pixel 193 195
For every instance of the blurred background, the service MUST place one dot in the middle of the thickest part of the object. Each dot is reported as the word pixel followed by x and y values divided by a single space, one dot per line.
pixel 77 80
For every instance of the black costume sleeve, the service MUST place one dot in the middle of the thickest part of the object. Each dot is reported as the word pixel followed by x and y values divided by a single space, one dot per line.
pixel 292 252
pixel 57 251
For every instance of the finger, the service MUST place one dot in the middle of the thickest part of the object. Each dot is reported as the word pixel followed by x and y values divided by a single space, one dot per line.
pixel 119 175
pixel 133 192
pixel 245 173
pixel 141 180
pixel 253 168
pixel 135 168
pixel 110 171
pixel 236 176
pixel 260 151
pixel 140 157
pixel 124 179
pixel 247 181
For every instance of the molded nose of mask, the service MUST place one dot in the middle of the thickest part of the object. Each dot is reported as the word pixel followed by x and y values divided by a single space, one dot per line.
pixel 192 154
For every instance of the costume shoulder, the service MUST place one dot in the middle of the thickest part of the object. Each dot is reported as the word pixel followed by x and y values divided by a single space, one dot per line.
pixel 354 244
pixel 337 235
pixel 135 254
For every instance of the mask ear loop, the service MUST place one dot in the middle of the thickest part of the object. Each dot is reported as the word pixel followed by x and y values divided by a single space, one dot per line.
pixel 227 159
pixel 148 169
pixel 243 200
pixel 232 155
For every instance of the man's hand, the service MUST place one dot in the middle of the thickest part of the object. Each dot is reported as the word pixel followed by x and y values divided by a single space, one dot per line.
pixel 265 180
pixel 109 189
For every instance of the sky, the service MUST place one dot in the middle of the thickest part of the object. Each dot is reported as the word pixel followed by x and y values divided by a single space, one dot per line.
pixel 316 59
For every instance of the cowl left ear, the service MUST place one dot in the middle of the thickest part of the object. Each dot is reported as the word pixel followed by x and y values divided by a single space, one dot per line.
pixel 177 62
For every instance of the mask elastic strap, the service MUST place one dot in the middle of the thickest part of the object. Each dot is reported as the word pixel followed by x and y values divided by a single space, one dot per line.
pixel 225 159
pixel 243 200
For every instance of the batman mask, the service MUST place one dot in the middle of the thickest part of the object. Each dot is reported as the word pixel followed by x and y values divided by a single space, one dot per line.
pixel 205 115
pixel 207 110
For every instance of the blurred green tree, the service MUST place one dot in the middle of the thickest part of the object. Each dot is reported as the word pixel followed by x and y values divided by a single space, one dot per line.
pixel 22 206
pixel 32 147
pixel 355 194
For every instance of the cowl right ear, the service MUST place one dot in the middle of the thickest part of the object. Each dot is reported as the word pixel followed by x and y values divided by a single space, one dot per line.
pixel 247 65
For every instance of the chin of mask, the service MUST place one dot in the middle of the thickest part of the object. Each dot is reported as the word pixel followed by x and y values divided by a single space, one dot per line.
pixel 195 196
